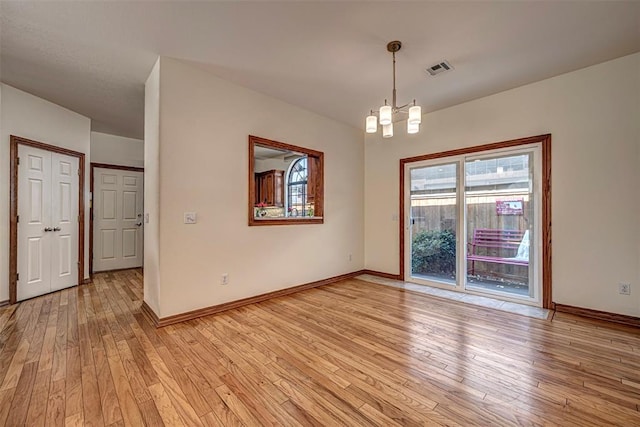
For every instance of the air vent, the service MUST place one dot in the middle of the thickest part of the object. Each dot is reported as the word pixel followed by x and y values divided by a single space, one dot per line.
pixel 439 68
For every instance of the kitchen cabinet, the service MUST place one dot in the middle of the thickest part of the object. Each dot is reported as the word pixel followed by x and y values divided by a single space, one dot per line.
pixel 270 188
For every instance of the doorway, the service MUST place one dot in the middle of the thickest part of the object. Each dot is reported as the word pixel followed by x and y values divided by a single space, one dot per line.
pixel 46 229
pixel 478 220
pixel 116 239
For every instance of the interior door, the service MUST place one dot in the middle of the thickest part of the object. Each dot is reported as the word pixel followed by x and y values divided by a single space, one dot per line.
pixel 64 221
pixel 47 222
pixel 34 228
pixel 117 220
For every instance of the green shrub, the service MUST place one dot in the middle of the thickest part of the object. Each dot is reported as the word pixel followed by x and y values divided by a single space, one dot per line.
pixel 434 252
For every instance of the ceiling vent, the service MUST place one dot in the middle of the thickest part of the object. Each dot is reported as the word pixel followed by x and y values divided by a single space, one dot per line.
pixel 439 68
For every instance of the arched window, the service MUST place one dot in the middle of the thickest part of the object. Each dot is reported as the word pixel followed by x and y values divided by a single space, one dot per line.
pixel 297 188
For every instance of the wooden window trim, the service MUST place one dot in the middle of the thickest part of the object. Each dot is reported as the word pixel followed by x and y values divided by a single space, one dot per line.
pixel 545 141
pixel 318 189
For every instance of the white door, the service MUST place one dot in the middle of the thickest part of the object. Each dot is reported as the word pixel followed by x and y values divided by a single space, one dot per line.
pixel 47 222
pixel 64 219
pixel 117 219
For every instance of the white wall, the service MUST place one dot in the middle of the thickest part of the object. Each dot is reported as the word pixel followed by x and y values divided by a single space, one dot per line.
pixel 34 118
pixel 203 157
pixel 152 189
pixel 594 118
pixel 116 150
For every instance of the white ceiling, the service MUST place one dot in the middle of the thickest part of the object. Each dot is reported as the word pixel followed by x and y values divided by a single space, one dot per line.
pixel 328 57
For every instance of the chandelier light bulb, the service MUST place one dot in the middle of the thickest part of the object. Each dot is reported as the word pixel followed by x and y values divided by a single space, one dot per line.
pixel 387 130
pixel 412 127
pixel 372 124
pixel 415 115
pixel 385 115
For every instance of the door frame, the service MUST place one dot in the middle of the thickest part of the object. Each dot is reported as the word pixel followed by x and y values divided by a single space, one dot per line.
pixel 545 256
pixel 13 207
pixel 91 184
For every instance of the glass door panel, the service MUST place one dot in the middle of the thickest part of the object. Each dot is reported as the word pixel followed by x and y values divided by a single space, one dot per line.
pixel 499 222
pixel 433 222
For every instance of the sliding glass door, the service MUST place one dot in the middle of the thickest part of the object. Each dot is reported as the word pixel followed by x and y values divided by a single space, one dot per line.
pixel 434 222
pixel 473 221
pixel 499 216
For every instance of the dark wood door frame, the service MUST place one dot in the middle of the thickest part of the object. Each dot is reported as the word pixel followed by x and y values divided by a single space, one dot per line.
pixel 545 141
pixel 91 177
pixel 13 208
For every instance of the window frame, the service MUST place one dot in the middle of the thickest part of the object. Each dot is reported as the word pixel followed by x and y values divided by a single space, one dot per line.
pixel 312 155
pixel 545 218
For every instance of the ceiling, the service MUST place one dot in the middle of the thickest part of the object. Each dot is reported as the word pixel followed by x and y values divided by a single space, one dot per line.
pixel 263 153
pixel 327 57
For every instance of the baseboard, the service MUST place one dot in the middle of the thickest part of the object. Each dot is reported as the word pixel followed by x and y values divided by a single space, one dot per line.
pixel 151 315
pixel 87 281
pixel 206 311
pixel 600 315
pixel 3 303
pixel 115 270
pixel 381 274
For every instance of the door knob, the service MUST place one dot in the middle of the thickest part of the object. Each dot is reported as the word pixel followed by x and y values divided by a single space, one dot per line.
pixel 138 224
pixel 57 229
pixel 48 229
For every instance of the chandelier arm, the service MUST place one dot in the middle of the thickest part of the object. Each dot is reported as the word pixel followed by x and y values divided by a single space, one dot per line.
pixel 401 108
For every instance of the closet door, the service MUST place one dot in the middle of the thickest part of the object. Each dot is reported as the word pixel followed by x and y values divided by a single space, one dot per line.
pixel 34 212
pixel 64 221
pixel 47 222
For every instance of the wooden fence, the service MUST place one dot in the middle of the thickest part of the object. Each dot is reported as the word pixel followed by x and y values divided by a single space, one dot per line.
pixel 440 214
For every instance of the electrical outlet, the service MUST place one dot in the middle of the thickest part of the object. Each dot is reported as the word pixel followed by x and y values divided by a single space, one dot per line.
pixel 624 288
pixel 225 279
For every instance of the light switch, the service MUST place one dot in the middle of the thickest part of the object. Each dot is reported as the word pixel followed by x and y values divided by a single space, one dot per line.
pixel 190 217
pixel 146 218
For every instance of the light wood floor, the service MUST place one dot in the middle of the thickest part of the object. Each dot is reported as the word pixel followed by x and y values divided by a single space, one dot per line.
pixel 352 353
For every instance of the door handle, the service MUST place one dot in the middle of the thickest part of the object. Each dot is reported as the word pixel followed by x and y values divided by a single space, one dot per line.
pixel 57 229
pixel 138 224
pixel 47 229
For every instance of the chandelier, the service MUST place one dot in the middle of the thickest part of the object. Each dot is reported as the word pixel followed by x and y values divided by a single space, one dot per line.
pixel 388 113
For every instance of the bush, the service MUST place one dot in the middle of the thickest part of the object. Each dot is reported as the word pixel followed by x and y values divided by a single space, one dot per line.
pixel 434 252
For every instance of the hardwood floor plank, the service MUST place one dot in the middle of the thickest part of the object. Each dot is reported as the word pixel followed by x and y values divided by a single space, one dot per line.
pixel 128 404
pixel 349 353
pixel 236 406
pixel 133 375
pixel 220 409
pixel 56 404
pixel 22 397
pixel 91 402
pixel 191 392
pixel 6 396
pixel 108 397
pixel 15 368
pixel 59 357
pixel 73 384
pixel 36 415
pixel 166 410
